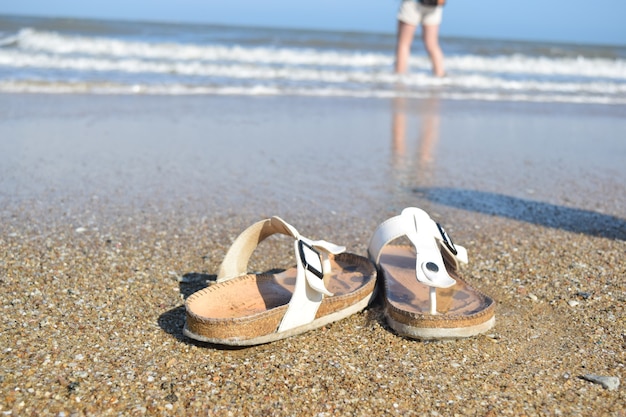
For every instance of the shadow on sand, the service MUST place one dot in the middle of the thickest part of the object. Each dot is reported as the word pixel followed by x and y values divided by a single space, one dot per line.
pixel 173 321
pixel 536 212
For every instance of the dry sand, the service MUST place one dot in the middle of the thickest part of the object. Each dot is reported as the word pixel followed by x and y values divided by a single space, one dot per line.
pixel 108 202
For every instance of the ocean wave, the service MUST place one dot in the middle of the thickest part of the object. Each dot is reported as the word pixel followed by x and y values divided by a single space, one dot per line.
pixel 105 88
pixel 238 71
pixel 50 62
pixel 54 43
pixel 31 40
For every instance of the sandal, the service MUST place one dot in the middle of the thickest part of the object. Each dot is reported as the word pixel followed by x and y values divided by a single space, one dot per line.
pixel 425 298
pixel 243 309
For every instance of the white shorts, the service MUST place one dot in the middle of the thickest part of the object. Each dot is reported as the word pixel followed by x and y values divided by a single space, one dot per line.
pixel 414 13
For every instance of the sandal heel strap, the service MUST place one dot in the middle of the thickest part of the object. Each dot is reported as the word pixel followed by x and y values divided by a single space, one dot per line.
pixel 235 262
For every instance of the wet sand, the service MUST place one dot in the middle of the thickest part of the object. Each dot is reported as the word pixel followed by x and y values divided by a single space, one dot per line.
pixel 107 202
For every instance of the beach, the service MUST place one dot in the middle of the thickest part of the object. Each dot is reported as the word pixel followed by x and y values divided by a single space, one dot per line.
pixel 115 208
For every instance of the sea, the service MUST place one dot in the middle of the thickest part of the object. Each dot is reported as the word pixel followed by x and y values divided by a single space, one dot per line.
pixel 82 56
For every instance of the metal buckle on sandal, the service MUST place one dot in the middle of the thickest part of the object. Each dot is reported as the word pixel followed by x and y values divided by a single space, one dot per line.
pixel 447 240
pixel 311 259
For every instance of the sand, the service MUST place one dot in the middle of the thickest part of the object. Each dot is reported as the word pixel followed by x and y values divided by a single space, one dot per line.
pixel 115 209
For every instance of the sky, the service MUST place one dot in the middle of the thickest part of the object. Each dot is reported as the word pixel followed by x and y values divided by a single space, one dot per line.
pixel 571 21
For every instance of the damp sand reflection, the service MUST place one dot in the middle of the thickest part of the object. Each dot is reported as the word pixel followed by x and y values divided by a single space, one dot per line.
pixel 414 138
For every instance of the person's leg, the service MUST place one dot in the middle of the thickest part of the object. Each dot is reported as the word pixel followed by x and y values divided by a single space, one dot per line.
pixel 430 36
pixel 403 46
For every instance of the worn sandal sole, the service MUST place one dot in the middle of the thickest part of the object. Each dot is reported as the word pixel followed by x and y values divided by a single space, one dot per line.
pixel 247 310
pixel 463 310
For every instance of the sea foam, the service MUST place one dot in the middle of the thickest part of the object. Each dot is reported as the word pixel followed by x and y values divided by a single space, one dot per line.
pixel 34 60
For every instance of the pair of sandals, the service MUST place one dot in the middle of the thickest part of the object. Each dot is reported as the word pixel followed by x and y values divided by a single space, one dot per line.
pixel 424 297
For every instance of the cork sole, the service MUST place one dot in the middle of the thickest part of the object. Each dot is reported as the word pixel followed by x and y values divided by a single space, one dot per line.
pixel 463 310
pixel 247 310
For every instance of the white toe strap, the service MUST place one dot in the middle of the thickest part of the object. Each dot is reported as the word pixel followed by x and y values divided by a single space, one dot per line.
pixel 431 244
pixel 312 265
